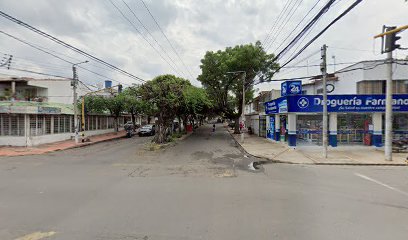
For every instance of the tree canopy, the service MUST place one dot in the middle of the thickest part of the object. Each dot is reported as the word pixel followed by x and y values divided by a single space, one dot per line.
pixel 226 89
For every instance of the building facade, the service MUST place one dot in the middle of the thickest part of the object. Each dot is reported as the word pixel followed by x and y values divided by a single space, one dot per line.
pixel 38 111
pixel 356 105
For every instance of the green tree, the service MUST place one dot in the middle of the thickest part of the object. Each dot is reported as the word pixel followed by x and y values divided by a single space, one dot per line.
pixel 133 104
pixel 93 104
pixel 116 106
pixel 196 103
pixel 165 93
pixel 225 89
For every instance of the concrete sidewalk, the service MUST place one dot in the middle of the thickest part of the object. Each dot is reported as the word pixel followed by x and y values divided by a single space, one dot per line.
pixel 342 155
pixel 62 145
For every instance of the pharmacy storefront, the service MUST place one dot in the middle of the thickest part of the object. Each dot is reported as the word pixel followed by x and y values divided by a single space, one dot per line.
pixel 353 119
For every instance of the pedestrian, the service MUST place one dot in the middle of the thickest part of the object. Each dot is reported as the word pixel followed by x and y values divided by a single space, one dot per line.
pixel 213 127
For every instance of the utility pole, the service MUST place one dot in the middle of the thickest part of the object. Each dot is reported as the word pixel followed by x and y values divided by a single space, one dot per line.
pixel 323 68
pixel 74 84
pixel 388 110
pixel 243 107
pixel 387 46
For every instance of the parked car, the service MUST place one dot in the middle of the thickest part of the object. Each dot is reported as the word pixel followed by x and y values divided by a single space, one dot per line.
pixel 231 124
pixel 147 130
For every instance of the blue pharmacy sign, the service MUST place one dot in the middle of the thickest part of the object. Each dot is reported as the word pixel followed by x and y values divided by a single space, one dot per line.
pixel 279 105
pixel 291 88
pixel 346 103
pixel 336 103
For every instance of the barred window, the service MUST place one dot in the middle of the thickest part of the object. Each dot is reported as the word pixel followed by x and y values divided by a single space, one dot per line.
pixel 21 125
pixel 56 124
pixel 33 125
pixel 67 124
pixel 47 127
pixel 40 125
pixel 6 125
pixel 13 125
pixel 61 123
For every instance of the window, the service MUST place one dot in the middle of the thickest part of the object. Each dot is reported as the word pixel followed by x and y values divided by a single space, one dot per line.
pixel 379 87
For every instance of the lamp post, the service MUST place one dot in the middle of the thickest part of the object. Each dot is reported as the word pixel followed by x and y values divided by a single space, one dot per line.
pixel 243 101
pixel 74 85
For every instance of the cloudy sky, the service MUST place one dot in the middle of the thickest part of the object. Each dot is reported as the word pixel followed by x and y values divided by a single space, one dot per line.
pixel 193 27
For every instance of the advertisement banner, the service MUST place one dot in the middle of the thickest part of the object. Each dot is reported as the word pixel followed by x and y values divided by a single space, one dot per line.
pixel 278 105
pixel 291 88
pixel 346 103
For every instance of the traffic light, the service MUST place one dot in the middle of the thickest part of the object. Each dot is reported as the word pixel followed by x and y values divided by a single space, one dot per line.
pixel 390 40
pixel 120 87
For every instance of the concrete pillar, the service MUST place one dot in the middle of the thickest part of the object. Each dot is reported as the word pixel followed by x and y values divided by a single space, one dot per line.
pixel 13 89
pixel 333 129
pixel 292 129
pixel 277 127
pixel 268 130
pixel 377 129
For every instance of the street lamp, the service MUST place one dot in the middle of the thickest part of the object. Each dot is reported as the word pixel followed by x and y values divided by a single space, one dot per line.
pixel 74 87
pixel 243 101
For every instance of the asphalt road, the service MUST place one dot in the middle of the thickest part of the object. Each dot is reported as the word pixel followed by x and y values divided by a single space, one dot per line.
pixel 200 188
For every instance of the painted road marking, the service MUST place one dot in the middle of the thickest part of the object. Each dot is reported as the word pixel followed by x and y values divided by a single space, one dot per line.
pixel 36 236
pixel 382 184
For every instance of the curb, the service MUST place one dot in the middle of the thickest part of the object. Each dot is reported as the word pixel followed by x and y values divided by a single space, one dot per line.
pixel 315 163
pixel 62 149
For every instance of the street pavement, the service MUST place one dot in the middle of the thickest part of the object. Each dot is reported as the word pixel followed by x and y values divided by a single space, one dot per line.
pixel 198 188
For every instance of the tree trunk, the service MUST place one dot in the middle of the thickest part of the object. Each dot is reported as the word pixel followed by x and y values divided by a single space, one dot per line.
pixel 185 122
pixel 160 136
pixel 179 125
pixel 149 119
pixel 133 119
pixel 115 124
pixel 236 129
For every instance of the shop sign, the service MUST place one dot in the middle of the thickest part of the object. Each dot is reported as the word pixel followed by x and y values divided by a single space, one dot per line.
pixel 346 103
pixel 291 88
pixel 49 110
pixel 279 105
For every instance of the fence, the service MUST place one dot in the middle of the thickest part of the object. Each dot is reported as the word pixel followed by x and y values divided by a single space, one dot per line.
pixel 41 124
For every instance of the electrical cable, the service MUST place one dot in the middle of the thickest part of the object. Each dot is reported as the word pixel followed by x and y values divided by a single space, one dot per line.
pixel 290 15
pixel 39 48
pixel 69 46
pixel 155 40
pixel 272 29
pixel 322 31
pixel 143 36
pixel 165 36
pixel 294 29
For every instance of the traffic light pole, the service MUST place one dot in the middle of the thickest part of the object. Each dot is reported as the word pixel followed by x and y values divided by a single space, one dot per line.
pixel 388 110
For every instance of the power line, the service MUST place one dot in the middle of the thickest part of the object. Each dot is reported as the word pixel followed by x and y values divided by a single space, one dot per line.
pixel 398 62
pixel 272 29
pixel 147 30
pixel 69 46
pixel 300 22
pixel 165 36
pixel 41 49
pixel 287 18
pixel 143 36
pixel 38 73
pixel 324 30
pixel 305 29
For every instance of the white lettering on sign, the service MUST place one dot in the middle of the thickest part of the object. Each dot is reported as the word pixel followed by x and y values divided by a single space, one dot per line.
pixel 339 102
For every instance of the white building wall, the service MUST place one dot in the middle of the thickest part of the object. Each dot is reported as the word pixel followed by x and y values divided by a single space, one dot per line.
pixel 20 141
pixel 58 91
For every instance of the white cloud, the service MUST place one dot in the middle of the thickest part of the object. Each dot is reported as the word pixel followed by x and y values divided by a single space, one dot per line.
pixel 193 27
